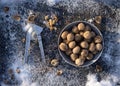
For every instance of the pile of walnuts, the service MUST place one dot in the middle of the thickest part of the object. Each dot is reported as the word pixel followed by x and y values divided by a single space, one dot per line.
pixel 81 43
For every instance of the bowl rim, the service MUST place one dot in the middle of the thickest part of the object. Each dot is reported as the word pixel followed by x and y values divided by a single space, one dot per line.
pixel 92 25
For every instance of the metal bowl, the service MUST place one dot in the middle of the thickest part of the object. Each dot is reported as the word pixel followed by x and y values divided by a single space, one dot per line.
pixel 67 58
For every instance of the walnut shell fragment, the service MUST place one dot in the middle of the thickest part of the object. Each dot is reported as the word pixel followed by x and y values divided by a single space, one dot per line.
pixel 98 68
pixel 17 17
pixel 31 18
pixel 18 70
pixel 59 72
pixel 54 62
pixel 98 19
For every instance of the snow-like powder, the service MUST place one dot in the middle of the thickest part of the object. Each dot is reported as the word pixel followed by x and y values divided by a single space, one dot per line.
pixel 26 78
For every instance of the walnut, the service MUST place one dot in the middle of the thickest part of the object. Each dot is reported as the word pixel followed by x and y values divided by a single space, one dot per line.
pixel 79 61
pixel 64 35
pixel 68 52
pixel 98 68
pixel 81 33
pixel 90 56
pixel 54 62
pixel 95 52
pixel 93 34
pixel 17 17
pixel 88 40
pixel 63 47
pixel 99 47
pixel 76 50
pixel 51 22
pixel 98 19
pixel 92 47
pixel 73 56
pixel 87 28
pixel 46 17
pixel 66 41
pixel 82 57
pixel 84 52
pixel 72 44
pixel 87 35
pixel 98 39
pixel 70 37
pixel 31 18
pixel 75 29
pixel 84 44
pixel 59 72
pixel 78 37
pixel 81 26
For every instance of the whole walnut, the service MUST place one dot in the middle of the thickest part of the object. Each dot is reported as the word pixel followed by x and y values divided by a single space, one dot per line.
pixel 84 52
pixel 90 56
pixel 81 26
pixel 78 37
pixel 99 47
pixel 66 41
pixel 87 28
pixel 82 57
pixel 98 39
pixel 92 47
pixel 70 37
pixel 73 56
pixel 75 29
pixel 93 34
pixel 64 35
pixel 87 35
pixel 95 52
pixel 79 61
pixel 63 47
pixel 88 40
pixel 72 44
pixel 68 52
pixel 81 33
pixel 76 50
pixel 84 44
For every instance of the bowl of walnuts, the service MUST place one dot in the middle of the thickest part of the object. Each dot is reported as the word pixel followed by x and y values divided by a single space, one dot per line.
pixel 80 43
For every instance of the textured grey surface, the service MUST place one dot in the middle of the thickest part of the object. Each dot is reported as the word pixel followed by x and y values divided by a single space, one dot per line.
pixel 37 74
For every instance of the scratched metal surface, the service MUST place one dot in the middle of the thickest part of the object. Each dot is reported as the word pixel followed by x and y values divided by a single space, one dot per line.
pixel 12 48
